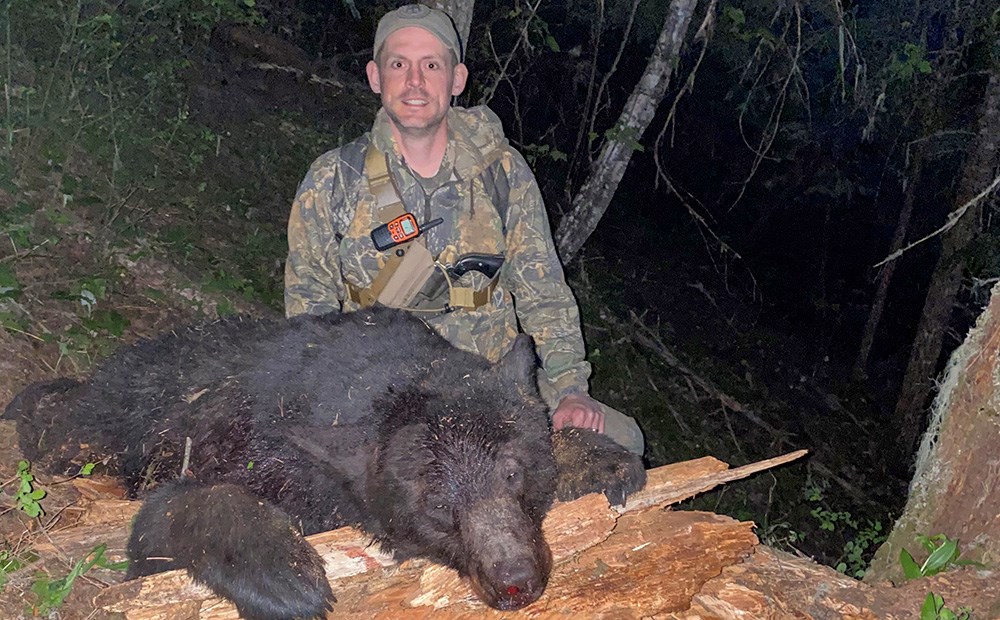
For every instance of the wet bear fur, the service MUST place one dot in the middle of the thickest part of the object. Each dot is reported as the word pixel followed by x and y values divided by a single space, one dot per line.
pixel 300 426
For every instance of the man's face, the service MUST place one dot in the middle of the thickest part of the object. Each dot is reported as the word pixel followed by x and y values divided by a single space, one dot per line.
pixel 415 78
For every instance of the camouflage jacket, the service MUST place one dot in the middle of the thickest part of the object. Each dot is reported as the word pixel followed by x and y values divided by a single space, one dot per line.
pixel 334 212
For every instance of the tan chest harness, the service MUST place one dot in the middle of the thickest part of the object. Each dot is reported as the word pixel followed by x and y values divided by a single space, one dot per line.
pixel 409 266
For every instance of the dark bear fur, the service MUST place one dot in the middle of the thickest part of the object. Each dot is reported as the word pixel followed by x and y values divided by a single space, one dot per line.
pixel 367 419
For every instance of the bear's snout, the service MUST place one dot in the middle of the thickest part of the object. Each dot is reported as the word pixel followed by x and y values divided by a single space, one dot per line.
pixel 510 561
pixel 513 584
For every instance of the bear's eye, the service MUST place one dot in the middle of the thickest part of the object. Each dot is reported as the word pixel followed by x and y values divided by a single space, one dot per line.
pixel 514 479
pixel 441 512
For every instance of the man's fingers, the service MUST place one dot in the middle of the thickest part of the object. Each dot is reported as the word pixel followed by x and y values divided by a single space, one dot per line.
pixel 573 412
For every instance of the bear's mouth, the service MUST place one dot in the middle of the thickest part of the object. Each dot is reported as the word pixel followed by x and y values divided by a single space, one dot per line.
pixel 510 596
pixel 515 581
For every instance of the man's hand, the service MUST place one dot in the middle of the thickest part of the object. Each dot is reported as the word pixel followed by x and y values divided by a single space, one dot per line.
pixel 579 410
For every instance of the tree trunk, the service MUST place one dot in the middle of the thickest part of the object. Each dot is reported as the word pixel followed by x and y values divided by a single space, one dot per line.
pixel 956 488
pixel 594 197
pixel 898 239
pixel 461 14
pixel 946 281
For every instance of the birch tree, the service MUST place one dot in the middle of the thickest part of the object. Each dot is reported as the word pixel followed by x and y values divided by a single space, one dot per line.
pixel 595 195
pixel 461 14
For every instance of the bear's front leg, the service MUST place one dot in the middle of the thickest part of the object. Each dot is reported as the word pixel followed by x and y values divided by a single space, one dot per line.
pixel 589 462
pixel 240 546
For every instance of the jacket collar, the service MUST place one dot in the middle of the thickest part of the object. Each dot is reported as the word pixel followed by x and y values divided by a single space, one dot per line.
pixel 475 139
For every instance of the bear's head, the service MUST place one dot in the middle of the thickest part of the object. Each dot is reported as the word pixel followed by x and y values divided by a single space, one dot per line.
pixel 465 474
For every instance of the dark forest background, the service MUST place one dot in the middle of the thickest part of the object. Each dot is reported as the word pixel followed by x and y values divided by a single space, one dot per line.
pixel 731 293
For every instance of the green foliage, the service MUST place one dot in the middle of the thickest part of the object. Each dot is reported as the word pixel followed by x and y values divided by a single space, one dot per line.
pixel 735 22
pixel 828 519
pixel 934 609
pixel 99 327
pixel 102 75
pixel 109 321
pixel 943 552
pixel 27 496
pixel 11 562
pixel 862 541
pixel 629 136
pixel 908 62
pixel 535 152
pixel 50 593
pixel 10 288
pixel 857 552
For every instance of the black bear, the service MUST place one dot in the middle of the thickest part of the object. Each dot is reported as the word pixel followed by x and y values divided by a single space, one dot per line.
pixel 367 419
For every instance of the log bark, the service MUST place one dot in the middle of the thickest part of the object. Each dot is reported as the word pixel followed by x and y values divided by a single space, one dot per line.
pixel 774 584
pixel 946 281
pixel 571 528
pixel 956 488
pixel 595 196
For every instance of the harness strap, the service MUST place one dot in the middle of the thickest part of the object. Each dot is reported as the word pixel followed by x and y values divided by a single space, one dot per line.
pixel 389 204
pixel 469 298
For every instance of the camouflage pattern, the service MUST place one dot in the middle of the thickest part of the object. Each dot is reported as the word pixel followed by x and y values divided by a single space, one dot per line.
pixel 334 213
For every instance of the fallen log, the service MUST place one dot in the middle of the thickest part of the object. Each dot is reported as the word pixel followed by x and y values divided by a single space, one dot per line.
pixel 774 584
pixel 572 529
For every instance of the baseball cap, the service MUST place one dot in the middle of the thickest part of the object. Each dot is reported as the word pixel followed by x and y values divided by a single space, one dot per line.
pixel 434 21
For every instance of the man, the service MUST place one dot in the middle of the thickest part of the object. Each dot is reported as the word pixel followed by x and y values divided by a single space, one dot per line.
pixel 488 266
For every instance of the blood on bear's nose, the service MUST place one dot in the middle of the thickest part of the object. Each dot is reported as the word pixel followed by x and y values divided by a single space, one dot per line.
pixel 519 584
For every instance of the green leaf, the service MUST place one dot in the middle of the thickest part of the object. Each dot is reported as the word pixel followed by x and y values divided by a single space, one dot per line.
pixel 9 286
pixel 87 469
pixel 551 42
pixel 910 568
pixel 929 610
pixel 110 321
pixel 940 558
pixel 929 542
pixel 735 15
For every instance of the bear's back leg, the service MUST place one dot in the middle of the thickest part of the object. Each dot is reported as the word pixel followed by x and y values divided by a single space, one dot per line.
pixel 241 547
pixel 43 422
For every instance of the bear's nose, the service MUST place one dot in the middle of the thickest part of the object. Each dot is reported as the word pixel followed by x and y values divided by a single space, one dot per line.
pixel 518 583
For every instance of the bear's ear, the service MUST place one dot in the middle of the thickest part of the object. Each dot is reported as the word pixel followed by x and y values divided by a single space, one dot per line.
pixel 519 365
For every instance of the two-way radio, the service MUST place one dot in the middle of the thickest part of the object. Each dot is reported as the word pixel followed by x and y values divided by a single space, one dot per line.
pixel 400 230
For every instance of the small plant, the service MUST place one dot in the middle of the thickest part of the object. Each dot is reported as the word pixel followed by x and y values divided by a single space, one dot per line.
pixel 27 496
pixel 10 562
pixel 9 286
pixel 862 540
pixel 50 593
pixel 934 609
pixel 855 561
pixel 943 553
pixel 828 519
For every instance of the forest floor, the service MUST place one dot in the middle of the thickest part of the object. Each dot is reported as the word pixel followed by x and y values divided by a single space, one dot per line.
pixel 705 372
